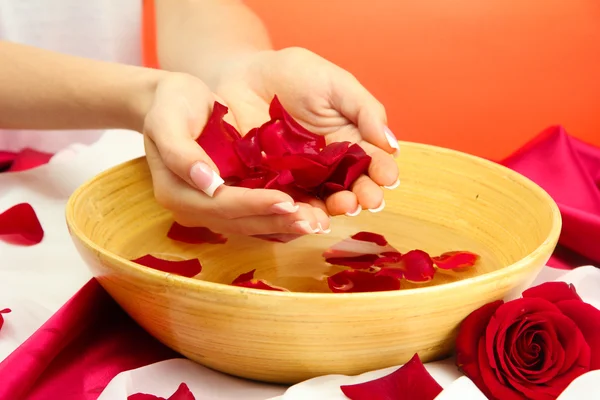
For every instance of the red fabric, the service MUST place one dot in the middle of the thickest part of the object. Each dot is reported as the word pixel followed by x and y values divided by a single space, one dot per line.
pixel 78 351
pixel 90 340
pixel 569 170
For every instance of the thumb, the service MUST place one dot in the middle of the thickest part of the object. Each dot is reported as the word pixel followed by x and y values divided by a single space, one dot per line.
pixel 354 102
pixel 172 129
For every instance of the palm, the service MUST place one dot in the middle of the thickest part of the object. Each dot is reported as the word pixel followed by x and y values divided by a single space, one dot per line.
pixel 306 85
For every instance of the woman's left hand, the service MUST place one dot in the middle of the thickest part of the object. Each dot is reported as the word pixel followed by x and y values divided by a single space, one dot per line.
pixel 326 100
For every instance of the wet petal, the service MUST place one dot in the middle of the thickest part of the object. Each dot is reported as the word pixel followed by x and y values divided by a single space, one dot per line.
pixel 194 235
pixel 187 268
pixel 415 266
pixel 357 262
pixel 376 238
pixel 455 260
pixel 247 280
pixel 356 281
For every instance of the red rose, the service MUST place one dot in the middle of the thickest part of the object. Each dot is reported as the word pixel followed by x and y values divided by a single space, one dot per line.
pixel 532 347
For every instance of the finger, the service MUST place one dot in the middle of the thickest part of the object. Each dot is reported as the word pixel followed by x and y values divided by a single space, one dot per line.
pixel 229 202
pixel 369 194
pixel 383 169
pixel 172 129
pixel 344 202
pixel 359 106
pixel 307 220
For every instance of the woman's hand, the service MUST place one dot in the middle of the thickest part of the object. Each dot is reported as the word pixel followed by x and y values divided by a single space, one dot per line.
pixel 185 180
pixel 326 100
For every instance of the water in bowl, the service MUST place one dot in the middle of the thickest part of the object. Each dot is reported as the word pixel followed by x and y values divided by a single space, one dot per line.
pixel 299 265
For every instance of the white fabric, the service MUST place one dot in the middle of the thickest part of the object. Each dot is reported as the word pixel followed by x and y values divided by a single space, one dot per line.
pixel 108 30
pixel 36 281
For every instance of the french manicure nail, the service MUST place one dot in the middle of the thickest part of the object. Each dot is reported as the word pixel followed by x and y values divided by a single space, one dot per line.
pixel 394 185
pixel 285 208
pixel 328 230
pixel 392 140
pixel 304 227
pixel 378 209
pixel 355 212
pixel 205 178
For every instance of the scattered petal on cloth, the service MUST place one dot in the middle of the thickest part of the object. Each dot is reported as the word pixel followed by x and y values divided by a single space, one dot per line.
pixel 23 160
pixel 569 170
pixel 4 311
pixel 182 393
pixel 410 382
pixel 163 377
pixel 20 225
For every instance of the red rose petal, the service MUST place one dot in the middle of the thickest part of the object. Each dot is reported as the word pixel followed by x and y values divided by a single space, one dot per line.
pixel 411 382
pixel 455 260
pixel 6 160
pixel 247 280
pixel 587 319
pixel 248 149
pixel 491 387
pixel 281 155
pixel 356 281
pixel 28 159
pixel 182 393
pixel 278 238
pixel 306 173
pixel 194 235
pixel 246 276
pixel 187 268
pixel 415 266
pixel 5 311
pixel 376 238
pixel 20 225
pixel 354 164
pixel 357 262
pixel 471 330
pixel 352 248
pixel 553 292
pixel 299 139
pixel 271 139
pixel 217 140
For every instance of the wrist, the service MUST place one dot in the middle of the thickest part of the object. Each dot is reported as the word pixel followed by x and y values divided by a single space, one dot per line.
pixel 140 97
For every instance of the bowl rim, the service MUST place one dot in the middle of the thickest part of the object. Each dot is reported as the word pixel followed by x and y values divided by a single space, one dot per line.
pixel 221 288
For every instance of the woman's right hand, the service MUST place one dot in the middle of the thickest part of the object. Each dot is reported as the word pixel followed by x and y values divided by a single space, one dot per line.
pixel 186 181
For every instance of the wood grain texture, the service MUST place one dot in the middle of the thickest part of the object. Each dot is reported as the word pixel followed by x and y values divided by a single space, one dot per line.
pixel 447 200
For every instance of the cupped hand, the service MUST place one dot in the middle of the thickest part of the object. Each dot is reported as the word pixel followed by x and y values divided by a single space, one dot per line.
pixel 187 183
pixel 326 100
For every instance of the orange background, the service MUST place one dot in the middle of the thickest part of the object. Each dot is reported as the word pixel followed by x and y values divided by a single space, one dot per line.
pixel 479 76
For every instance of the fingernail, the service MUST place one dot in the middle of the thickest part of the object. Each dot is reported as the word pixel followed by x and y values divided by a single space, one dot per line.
pixel 285 208
pixel 355 212
pixel 205 178
pixel 392 140
pixel 381 207
pixel 328 230
pixel 394 185
pixel 304 227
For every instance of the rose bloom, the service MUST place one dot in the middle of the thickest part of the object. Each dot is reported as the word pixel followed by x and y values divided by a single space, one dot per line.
pixel 532 347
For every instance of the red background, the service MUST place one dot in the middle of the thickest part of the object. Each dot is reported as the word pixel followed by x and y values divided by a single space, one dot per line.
pixel 479 76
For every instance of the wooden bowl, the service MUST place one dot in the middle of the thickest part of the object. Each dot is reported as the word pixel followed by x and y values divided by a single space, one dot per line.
pixel 447 200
